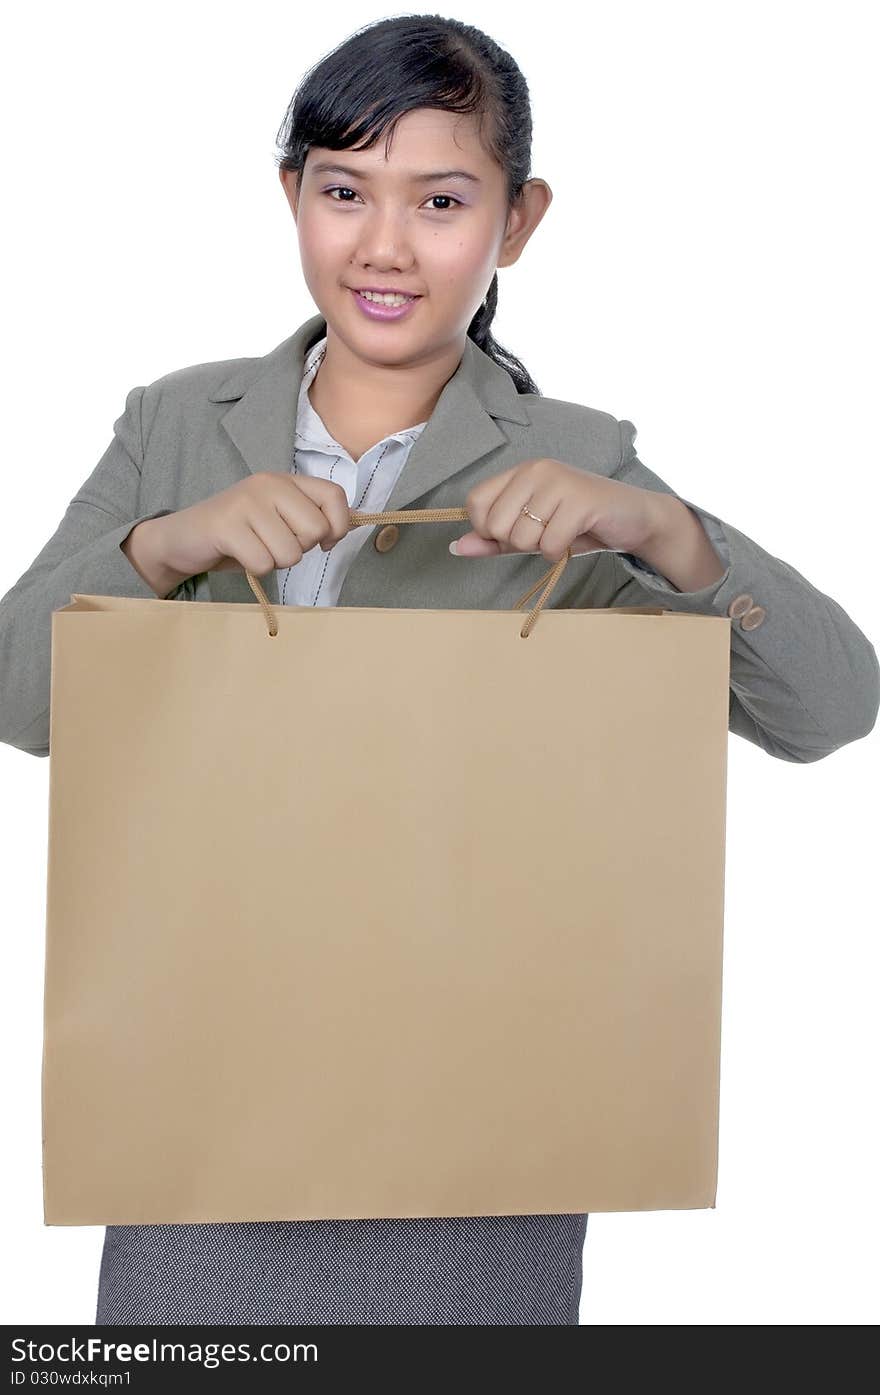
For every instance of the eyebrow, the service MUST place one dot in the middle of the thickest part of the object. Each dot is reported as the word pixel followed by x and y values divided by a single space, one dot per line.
pixel 325 168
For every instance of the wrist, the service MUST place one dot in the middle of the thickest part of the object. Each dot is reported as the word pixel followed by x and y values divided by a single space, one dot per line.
pixel 678 546
pixel 143 549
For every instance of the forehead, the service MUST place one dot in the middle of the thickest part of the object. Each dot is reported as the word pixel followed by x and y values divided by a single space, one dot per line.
pixel 423 141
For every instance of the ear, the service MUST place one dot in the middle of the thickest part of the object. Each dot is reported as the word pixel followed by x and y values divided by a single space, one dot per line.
pixel 531 204
pixel 290 184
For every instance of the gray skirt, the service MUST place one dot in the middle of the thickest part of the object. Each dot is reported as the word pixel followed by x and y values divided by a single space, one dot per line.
pixel 466 1270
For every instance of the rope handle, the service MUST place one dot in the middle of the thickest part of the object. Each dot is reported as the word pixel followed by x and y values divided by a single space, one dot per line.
pixel 454 515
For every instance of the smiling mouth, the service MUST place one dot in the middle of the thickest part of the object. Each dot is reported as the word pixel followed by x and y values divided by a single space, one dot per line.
pixel 378 297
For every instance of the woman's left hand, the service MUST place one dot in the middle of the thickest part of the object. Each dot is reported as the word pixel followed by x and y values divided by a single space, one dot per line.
pixel 581 510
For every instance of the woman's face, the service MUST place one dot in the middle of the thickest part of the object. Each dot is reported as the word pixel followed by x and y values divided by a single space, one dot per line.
pixel 406 223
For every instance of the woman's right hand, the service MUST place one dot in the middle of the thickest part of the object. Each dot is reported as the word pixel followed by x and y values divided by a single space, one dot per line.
pixel 266 521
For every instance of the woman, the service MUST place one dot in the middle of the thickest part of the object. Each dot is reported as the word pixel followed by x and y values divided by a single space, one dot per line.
pixel 367 401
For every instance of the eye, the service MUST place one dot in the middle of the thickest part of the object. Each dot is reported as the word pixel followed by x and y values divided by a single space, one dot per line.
pixel 447 197
pixel 343 189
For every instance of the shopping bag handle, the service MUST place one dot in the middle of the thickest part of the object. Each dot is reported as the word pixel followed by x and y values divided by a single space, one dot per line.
pixel 548 580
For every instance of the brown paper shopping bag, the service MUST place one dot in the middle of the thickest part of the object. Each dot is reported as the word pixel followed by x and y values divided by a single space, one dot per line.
pixel 419 964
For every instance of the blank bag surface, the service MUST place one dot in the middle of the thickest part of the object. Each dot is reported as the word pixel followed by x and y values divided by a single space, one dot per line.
pixel 393 913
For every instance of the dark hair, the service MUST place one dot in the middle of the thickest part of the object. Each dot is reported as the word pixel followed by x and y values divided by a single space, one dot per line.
pixel 393 66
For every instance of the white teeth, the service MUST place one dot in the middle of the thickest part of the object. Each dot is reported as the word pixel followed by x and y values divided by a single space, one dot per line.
pixel 386 299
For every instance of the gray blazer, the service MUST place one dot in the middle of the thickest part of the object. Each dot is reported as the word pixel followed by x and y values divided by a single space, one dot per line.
pixel 804 678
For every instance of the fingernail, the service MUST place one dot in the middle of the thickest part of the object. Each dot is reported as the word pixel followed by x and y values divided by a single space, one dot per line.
pixel 453 547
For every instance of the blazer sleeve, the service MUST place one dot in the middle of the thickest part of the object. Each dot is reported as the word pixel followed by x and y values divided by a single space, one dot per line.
pixel 805 680
pixel 85 555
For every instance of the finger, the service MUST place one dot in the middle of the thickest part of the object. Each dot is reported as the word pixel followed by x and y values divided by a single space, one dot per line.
pixel 587 542
pixel 472 545
pixel 316 510
pixel 561 525
pixel 245 549
pixel 333 503
pixel 563 530
pixel 537 533
pixel 289 528
pixel 483 496
pixel 512 527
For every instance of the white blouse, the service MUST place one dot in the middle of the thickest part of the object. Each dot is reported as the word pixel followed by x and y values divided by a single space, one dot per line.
pixel 317 577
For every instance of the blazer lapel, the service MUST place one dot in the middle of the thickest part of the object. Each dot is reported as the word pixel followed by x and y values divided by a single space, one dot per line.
pixel 262 421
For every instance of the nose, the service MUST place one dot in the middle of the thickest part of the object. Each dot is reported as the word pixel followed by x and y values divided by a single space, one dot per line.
pixel 383 241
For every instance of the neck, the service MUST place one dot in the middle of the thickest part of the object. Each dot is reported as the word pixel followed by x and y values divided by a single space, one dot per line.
pixel 361 401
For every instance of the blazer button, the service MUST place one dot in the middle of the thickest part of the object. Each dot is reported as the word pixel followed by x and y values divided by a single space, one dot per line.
pixel 739 606
pixel 753 618
pixel 386 537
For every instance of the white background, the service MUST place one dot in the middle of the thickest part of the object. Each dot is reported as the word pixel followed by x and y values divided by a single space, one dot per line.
pixel 707 269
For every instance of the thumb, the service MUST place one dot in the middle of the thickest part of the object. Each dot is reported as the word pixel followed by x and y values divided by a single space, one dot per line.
pixel 472 545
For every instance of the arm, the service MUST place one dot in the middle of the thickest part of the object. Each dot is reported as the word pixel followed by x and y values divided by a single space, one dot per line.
pixel 804 680
pixel 684 551
pixel 85 554
pixel 142 552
